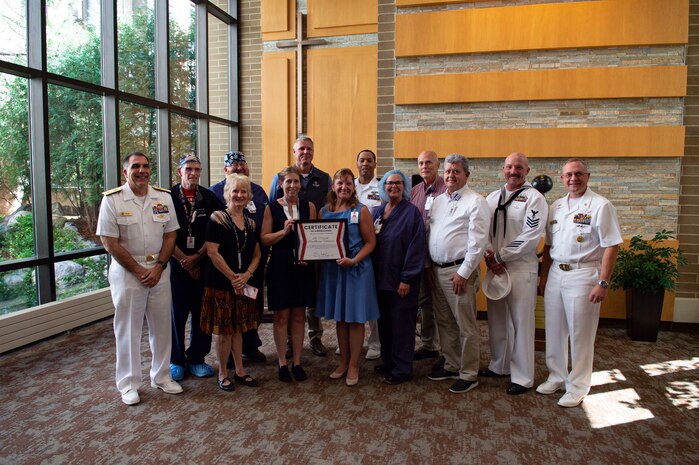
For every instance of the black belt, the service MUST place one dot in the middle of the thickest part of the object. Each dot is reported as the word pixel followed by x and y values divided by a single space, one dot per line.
pixel 448 264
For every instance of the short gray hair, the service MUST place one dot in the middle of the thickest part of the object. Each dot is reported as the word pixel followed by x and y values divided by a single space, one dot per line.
pixel 456 158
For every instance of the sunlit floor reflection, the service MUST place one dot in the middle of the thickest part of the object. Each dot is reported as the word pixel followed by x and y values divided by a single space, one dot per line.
pixel 614 408
pixel 600 378
pixel 684 394
pixel 671 366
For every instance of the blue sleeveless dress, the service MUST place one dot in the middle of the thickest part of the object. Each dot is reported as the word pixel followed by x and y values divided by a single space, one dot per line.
pixel 347 294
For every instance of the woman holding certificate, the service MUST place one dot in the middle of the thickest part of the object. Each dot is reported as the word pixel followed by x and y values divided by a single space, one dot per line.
pixel 228 307
pixel 290 283
pixel 399 259
pixel 347 291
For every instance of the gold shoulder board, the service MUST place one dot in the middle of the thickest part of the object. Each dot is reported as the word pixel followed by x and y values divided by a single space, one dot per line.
pixel 161 189
pixel 113 191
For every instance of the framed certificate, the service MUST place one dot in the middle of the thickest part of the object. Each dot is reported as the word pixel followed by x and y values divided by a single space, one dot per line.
pixel 319 240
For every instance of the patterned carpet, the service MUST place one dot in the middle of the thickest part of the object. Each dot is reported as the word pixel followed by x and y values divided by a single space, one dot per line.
pixel 58 404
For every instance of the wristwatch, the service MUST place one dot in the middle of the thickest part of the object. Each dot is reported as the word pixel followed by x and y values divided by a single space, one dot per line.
pixel 603 283
pixel 162 263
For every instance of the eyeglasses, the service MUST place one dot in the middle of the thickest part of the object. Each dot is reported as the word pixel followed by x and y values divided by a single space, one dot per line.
pixel 394 183
pixel 577 174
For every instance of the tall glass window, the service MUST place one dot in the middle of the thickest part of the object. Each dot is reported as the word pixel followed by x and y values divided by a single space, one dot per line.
pixel 183 66
pixel 73 40
pixel 109 92
pixel 13 31
pixel 138 126
pixel 136 48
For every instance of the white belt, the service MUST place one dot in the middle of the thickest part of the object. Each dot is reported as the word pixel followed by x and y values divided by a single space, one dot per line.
pixel 575 266
pixel 145 258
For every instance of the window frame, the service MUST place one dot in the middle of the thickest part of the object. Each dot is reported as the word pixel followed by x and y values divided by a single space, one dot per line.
pixel 39 78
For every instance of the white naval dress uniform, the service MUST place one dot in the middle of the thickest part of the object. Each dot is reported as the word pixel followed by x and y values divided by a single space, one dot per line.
pixel 139 224
pixel 577 238
pixel 368 194
pixel 511 323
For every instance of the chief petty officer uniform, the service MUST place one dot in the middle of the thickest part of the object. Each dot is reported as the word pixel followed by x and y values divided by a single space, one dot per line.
pixel 139 224
pixel 578 234
pixel 519 220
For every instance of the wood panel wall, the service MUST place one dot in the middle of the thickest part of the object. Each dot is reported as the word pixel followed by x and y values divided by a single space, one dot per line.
pixel 278 112
pixel 549 84
pixel 653 141
pixel 505 29
pixel 334 18
pixel 278 19
pixel 545 26
pixel 342 87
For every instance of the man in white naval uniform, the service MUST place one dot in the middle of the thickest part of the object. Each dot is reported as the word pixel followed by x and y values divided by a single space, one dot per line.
pixel 519 215
pixel 367 188
pixel 137 226
pixel 457 241
pixel 582 242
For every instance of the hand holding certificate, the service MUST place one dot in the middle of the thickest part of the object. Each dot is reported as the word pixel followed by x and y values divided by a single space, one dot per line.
pixel 321 240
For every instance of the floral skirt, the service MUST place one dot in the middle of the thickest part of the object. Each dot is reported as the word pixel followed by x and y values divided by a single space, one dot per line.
pixel 224 312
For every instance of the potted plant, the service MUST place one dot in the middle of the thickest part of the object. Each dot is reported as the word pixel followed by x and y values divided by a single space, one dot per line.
pixel 646 269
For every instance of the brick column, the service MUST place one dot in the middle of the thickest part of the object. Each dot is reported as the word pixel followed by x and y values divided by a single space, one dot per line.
pixel 386 83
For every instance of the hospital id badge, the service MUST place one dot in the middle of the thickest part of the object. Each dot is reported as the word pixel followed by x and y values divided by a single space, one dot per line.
pixel 190 242
pixel 251 207
pixel 354 217
pixel 428 202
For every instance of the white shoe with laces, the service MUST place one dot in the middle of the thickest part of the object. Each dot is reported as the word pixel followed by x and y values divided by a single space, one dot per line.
pixel 372 354
pixel 570 399
pixel 169 386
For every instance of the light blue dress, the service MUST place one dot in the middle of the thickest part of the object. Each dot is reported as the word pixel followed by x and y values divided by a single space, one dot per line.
pixel 347 294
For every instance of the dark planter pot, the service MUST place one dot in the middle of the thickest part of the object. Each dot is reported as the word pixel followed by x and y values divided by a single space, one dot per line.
pixel 643 311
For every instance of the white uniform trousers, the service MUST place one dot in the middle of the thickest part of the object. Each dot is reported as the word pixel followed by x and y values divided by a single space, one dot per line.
pixel 374 342
pixel 456 323
pixel 511 328
pixel 133 301
pixel 569 314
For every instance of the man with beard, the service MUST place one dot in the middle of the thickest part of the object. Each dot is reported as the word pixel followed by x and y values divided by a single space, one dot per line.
pixel 235 162
pixel 519 215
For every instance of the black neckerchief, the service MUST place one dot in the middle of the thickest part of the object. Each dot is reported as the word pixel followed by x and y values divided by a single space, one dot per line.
pixel 502 207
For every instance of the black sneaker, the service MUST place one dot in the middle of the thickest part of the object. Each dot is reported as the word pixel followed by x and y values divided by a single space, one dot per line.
pixel 461 386
pixel 284 374
pixel 299 373
pixel 424 354
pixel 439 374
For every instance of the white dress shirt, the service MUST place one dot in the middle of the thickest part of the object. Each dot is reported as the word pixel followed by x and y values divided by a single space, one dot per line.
pixel 459 229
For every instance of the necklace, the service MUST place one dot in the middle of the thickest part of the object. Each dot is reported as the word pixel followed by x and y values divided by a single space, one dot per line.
pixel 238 247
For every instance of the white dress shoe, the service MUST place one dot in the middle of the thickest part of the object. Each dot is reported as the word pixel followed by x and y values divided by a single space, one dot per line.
pixel 169 386
pixel 372 354
pixel 570 399
pixel 549 387
pixel 130 397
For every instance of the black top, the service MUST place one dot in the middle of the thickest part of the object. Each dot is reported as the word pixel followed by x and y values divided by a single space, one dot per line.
pixel 231 240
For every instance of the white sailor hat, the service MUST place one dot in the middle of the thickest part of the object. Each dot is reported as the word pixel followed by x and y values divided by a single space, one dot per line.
pixel 497 286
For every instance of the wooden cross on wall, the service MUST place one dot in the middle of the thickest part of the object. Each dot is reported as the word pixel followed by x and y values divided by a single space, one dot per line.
pixel 298 43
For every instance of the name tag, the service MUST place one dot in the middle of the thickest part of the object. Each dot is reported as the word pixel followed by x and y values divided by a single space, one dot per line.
pixel 428 202
pixel 251 207
pixel 354 217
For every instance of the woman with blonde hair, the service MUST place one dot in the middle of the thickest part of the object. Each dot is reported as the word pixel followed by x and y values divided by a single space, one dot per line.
pixel 228 307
